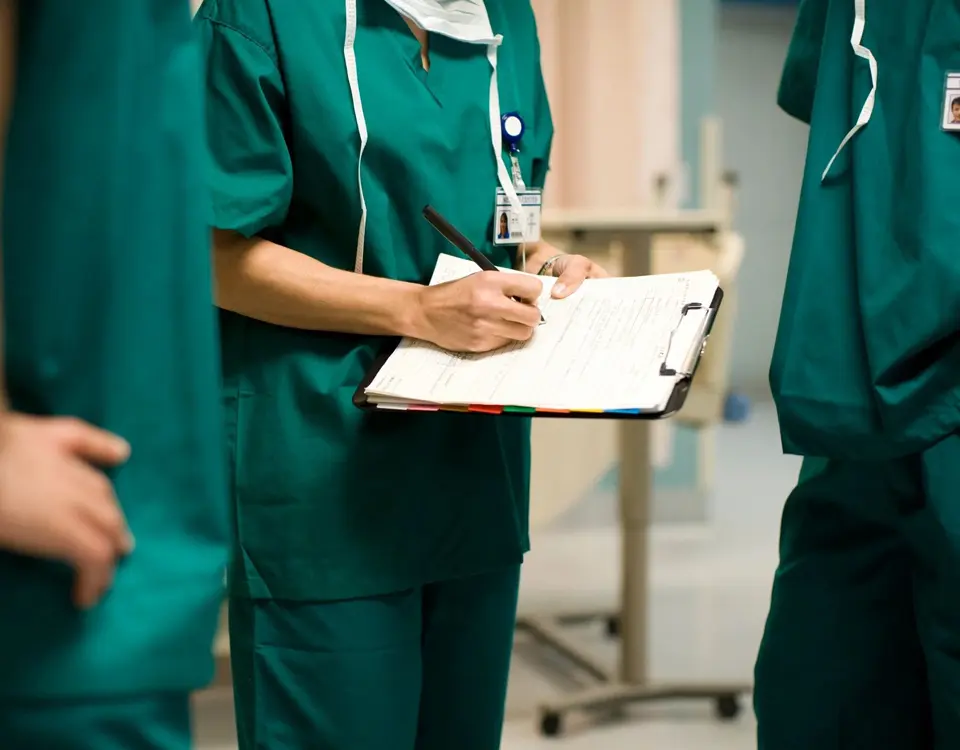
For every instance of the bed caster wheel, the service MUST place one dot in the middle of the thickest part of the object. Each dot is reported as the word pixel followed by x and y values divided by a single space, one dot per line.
pixel 613 627
pixel 551 724
pixel 728 707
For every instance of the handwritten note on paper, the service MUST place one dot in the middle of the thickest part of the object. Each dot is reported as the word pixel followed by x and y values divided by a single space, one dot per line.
pixel 601 348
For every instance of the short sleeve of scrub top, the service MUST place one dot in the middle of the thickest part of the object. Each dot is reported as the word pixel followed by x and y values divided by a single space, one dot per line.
pixel 250 173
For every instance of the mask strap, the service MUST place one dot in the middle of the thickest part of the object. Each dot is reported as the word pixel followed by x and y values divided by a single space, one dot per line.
pixel 350 57
pixel 856 39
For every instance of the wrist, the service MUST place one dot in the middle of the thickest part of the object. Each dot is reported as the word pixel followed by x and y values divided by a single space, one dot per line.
pixel 8 423
pixel 411 318
pixel 548 267
pixel 542 254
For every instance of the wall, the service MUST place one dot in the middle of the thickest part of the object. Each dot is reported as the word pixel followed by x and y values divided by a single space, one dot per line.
pixel 766 148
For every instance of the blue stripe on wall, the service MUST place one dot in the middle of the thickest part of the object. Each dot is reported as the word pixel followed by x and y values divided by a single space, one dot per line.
pixel 698 56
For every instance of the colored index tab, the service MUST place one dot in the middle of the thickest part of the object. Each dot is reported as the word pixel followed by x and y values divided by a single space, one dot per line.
pixel 483 409
pixel 520 409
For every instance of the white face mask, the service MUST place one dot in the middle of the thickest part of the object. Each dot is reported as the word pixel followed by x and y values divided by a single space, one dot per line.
pixel 463 20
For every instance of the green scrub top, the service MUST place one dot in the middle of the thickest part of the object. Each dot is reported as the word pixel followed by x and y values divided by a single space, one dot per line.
pixel 109 318
pixel 868 350
pixel 331 502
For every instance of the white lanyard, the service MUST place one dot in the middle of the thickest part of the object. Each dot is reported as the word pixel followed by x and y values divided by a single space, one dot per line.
pixel 856 39
pixel 350 57
pixel 503 176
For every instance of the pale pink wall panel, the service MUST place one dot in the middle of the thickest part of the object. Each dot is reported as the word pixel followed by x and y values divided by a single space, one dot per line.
pixel 612 71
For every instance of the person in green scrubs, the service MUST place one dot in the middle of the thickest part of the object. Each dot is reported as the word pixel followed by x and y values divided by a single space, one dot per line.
pixel 113 507
pixel 862 642
pixel 374 585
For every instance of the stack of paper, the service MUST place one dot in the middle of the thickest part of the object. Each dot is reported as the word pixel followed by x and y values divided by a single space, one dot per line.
pixel 601 349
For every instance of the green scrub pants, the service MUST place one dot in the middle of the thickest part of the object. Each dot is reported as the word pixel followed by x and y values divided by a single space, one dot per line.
pixel 424 669
pixel 862 643
pixel 153 722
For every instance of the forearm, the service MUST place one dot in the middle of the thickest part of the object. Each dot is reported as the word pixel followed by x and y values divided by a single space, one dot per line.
pixel 7 59
pixel 272 283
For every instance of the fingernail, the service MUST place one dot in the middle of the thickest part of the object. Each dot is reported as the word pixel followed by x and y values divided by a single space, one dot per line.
pixel 559 289
pixel 131 543
pixel 123 448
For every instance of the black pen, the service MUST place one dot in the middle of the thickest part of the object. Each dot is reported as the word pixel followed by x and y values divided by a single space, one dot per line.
pixel 456 238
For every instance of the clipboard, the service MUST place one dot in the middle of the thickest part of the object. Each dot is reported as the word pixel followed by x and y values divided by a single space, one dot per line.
pixel 683 366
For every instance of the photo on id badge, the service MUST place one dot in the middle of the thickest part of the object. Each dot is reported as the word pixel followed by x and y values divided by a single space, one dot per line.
pixel 951 103
pixel 512 228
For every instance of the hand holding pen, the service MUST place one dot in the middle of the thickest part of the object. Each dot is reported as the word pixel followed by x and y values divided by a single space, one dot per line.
pixel 478 313
pixel 459 241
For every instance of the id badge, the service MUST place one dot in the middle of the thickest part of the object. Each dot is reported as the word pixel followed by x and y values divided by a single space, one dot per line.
pixel 951 103
pixel 511 228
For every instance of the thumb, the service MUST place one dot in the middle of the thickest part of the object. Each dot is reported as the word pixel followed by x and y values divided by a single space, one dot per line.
pixel 571 277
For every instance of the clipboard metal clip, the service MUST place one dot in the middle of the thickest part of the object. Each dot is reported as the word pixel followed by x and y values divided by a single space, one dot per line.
pixel 689 362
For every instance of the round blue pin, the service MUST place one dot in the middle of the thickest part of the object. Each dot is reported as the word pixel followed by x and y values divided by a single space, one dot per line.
pixel 512 127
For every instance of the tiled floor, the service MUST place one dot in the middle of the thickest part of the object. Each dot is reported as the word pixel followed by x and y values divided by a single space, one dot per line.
pixel 709 590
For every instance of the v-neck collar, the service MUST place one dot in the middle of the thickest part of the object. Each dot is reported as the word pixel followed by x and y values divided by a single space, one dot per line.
pixel 409 48
pixel 441 48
